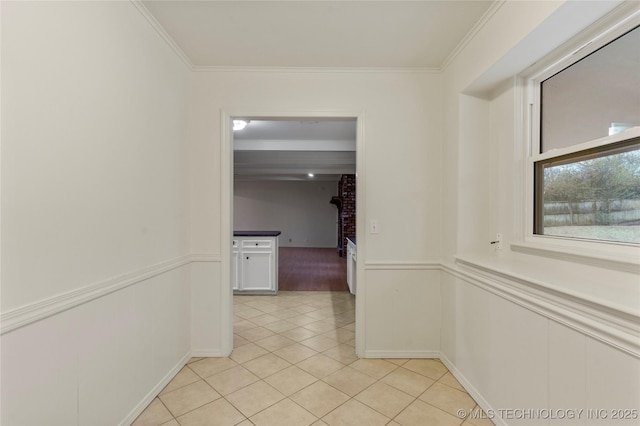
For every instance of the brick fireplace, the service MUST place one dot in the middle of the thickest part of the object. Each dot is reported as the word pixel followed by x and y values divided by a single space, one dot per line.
pixel 346 204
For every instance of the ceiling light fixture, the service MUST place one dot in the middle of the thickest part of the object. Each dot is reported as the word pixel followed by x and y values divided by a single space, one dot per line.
pixel 239 124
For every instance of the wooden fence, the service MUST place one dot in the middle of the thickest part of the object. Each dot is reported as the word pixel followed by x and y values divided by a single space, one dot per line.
pixel 612 212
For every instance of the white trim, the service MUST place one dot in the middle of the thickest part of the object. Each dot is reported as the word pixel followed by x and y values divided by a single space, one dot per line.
pixel 28 314
pixel 328 70
pixel 263 69
pixel 226 183
pixel 361 233
pixel 401 354
pixel 471 34
pixel 486 17
pixel 226 229
pixel 208 353
pixel 162 33
pixel 402 265
pixel 604 259
pixel 472 391
pixel 607 254
pixel 155 391
pixel 616 326
pixel 632 133
pixel 615 23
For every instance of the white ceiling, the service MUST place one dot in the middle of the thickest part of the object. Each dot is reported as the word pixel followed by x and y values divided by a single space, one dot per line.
pixel 329 33
pixel 290 149
pixel 418 34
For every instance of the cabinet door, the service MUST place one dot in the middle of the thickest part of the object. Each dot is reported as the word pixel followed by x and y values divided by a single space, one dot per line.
pixel 257 273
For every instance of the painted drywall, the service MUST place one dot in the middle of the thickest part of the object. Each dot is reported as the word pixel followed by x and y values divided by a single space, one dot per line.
pixel 485 61
pixel 506 351
pixel 92 184
pixel 300 210
pixel 473 175
pixel 400 168
pixel 94 213
pixel 401 120
pixel 487 339
pixel 405 322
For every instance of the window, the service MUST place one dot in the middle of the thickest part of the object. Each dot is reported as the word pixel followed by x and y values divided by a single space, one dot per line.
pixel 592 194
pixel 586 144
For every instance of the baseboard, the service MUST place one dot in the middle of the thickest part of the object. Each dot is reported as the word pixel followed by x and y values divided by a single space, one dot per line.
pixel 155 391
pixel 477 396
pixel 208 353
pixel 401 354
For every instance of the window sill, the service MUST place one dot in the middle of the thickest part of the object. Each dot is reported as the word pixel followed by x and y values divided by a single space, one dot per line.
pixel 625 260
pixel 549 277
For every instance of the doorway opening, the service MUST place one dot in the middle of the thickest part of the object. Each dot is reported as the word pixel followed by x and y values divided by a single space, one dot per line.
pixel 288 174
pixel 284 175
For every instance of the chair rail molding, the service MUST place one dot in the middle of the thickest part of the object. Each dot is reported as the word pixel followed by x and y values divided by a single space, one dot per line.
pixel 36 311
pixel 613 325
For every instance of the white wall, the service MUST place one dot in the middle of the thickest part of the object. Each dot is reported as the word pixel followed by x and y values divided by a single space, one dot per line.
pixel 95 282
pixel 300 210
pixel 400 169
pixel 96 225
pixel 523 331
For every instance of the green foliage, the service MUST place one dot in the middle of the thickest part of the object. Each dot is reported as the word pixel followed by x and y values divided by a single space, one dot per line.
pixel 612 177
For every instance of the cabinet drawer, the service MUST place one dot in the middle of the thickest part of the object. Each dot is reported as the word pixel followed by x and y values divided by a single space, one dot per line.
pixel 256 244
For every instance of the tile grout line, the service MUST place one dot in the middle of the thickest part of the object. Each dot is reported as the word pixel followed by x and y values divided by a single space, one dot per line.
pixel 291 304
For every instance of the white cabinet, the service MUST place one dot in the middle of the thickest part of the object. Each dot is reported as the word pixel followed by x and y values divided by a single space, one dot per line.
pixel 254 264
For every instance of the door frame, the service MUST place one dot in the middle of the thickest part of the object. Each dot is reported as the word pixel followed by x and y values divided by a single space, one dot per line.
pixel 226 212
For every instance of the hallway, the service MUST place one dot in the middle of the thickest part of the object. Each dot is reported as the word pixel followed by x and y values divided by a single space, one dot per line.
pixel 294 364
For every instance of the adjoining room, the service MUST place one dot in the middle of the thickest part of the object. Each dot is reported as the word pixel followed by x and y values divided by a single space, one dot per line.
pixel 294 180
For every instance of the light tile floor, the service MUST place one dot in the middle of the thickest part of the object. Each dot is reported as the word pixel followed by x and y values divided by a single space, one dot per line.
pixel 294 364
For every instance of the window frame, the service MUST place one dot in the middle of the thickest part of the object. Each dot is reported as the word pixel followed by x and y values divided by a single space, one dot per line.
pixel 616 144
pixel 617 255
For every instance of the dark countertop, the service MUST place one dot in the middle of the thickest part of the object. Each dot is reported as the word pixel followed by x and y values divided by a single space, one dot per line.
pixel 256 233
pixel 352 239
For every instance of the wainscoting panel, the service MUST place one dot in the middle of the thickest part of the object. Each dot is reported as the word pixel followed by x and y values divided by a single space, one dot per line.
pixel 206 307
pixel 510 354
pixel 101 361
pixel 38 362
pixel 402 318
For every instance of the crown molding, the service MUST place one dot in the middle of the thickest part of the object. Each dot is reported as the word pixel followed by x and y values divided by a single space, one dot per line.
pixel 495 6
pixel 162 32
pixel 372 70
pixel 330 70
